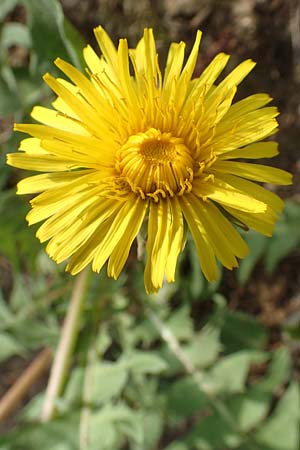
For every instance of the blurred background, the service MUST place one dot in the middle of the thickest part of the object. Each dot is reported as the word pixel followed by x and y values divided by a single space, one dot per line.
pixel 240 335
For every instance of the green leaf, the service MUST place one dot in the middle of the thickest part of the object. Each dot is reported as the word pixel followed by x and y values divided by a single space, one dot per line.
pixel 286 236
pixel 249 409
pixel 205 347
pixel 29 89
pixel 242 331
pixel 9 101
pixel 6 7
pixel 20 296
pixel 46 436
pixel 45 265
pixel 46 19
pixel 177 446
pixel 74 44
pixel 284 240
pixel 144 332
pixel 15 33
pixel 197 282
pixel 153 422
pixel 59 446
pixel 151 398
pixel 279 371
pixel 185 398
pixel 35 334
pixel 202 349
pixel 16 238
pixel 194 284
pixel 213 433
pixel 181 324
pixel 73 392
pixel 257 244
pixel 104 432
pixel 108 381
pixel 32 410
pixel 103 340
pixel 281 431
pixel 9 346
pixel 6 316
pixel 133 428
pixel 143 362
pixel 229 374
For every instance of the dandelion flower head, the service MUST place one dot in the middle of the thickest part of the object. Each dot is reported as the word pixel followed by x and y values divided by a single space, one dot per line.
pixel 127 145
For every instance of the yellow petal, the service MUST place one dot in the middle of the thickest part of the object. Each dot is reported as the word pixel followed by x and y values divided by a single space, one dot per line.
pixel 40 183
pixel 88 246
pixel 59 198
pixel 157 247
pixel 54 119
pixel 214 115
pixel 224 193
pixel 60 105
pixel 201 239
pixel 235 77
pixel 43 163
pixel 176 239
pixel 173 68
pixel 32 146
pixel 122 139
pixel 74 146
pixel 126 80
pixel 77 237
pixel 79 105
pixel 201 86
pixel 92 59
pixel 80 155
pixel 89 92
pixel 145 55
pixel 107 47
pixel 116 232
pixel 231 81
pixel 244 130
pixel 225 240
pixel 189 67
pixel 254 190
pixel 120 253
pixel 183 83
pixel 71 215
pixel 212 71
pixel 248 104
pixel 256 172
pixel 261 222
pixel 257 150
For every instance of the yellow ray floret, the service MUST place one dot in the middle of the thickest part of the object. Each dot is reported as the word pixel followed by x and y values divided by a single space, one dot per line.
pixel 128 144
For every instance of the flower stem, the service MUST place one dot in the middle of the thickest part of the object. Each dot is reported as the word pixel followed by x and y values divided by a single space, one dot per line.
pixel 65 347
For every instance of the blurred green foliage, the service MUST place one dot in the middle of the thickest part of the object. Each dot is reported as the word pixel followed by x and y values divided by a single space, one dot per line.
pixel 128 388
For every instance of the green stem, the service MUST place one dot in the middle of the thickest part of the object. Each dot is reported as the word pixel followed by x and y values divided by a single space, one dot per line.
pixel 198 376
pixel 65 347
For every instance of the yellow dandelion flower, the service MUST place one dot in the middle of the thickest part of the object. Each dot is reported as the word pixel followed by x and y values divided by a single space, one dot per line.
pixel 125 145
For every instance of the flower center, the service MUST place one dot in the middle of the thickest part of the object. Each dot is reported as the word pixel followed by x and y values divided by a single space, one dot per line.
pixel 156 164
